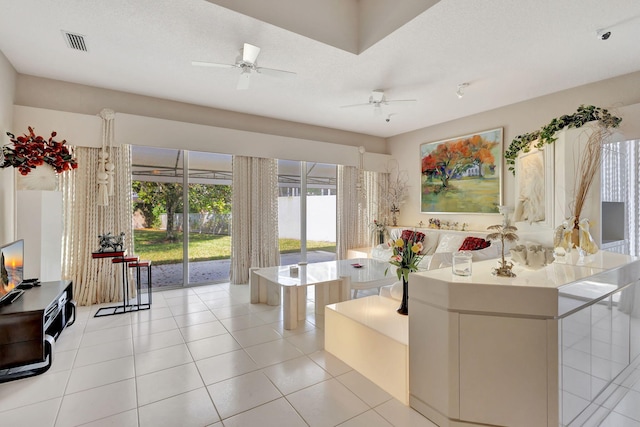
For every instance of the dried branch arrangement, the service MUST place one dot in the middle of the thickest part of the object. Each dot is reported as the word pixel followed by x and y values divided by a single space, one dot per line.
pixel 589 166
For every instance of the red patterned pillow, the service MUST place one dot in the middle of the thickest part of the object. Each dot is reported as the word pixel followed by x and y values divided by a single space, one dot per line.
pixel 412 236
pixel 474 244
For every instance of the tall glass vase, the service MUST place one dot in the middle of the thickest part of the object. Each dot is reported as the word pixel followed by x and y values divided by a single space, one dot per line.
pixel 404 307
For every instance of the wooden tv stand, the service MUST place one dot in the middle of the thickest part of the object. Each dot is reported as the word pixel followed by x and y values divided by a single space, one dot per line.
pixel 29 327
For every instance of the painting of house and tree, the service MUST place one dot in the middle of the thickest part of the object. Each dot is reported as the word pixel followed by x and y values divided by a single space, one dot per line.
pixel 462 174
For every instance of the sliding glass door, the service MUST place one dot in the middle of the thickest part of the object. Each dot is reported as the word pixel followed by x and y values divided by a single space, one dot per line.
pixel 182 221
pixel 306 212
pixel 157 181
pixel 209 217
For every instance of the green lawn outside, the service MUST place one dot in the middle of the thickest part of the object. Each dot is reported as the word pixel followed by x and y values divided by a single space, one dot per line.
pixel 152 245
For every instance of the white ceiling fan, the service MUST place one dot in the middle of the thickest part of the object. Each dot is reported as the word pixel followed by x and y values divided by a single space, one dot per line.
pixel 377 99
pixel 248 65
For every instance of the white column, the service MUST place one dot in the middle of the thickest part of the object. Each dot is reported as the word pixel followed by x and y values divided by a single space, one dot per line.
pixel 40 225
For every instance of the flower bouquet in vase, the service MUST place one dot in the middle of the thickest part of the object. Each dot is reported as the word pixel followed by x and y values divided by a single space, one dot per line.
pixel 407 254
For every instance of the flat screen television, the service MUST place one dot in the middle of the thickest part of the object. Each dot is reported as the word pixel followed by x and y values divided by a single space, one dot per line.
pixel 11 266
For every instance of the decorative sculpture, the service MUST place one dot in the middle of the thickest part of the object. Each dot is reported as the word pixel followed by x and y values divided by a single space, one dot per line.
pixel 502 234
pixel 110 243
pixel 105 174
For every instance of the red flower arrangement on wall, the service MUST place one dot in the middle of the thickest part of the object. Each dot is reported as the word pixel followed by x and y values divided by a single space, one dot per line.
pixel 30 151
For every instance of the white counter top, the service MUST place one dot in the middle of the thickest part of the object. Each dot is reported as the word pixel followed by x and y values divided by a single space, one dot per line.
pixel 531 292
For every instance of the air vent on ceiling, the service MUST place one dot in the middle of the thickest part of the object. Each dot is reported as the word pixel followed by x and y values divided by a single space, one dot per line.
pixel 75 41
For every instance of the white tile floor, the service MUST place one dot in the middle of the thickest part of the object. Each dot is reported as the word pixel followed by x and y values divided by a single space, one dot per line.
pixel 200 357
pixel 206 357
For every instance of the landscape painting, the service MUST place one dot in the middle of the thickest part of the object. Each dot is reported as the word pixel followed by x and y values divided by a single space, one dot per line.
pixel 462 175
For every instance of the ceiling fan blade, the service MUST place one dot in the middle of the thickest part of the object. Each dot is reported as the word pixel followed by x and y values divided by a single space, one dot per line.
pixel 212 64
pixel 243 81
pixel 398 101
pixel 250 53
pixel 355 105
pixel 276 73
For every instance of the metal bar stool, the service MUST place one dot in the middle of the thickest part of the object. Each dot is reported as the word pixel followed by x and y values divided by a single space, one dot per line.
pixel 126 262
pixel 138 266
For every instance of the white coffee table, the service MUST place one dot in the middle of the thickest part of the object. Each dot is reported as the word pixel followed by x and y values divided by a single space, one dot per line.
pixel 337 278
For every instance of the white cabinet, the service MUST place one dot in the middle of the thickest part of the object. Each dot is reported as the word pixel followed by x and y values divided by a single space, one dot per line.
pixel 40 225
pixel 533 350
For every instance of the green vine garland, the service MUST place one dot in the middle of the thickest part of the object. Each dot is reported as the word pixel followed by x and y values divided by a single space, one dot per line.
pixel 546 134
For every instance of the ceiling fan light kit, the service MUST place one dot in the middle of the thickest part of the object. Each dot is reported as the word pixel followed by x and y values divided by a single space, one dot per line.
pixel 247 63
pixel 377 99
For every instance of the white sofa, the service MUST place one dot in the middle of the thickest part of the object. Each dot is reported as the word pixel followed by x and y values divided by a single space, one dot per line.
pixel 439 246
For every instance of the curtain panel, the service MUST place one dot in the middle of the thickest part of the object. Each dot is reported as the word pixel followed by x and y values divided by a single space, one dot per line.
pixel 254 216
pixel 95 281
pixel 359 202
pixel 621 183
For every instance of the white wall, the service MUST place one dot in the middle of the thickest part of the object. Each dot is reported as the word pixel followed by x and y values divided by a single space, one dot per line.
pixel 61 96
pixel 86 130
pixel 619 94
pixel 7 175
pixel 70 109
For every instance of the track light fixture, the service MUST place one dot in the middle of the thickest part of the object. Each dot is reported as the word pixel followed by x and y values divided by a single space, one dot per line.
pixel 460 91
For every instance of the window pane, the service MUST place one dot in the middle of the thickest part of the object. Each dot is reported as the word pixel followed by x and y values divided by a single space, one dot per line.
pixel 289 211
pixel 209 217
pixel 157 217
pixel 321 212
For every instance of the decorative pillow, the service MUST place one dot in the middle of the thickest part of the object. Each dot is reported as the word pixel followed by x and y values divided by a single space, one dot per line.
pixel 449 242
pixel 414 236
pixel 474 243
pixel 430 243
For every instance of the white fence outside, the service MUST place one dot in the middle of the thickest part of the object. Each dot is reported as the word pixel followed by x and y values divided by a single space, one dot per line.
pixel 321 219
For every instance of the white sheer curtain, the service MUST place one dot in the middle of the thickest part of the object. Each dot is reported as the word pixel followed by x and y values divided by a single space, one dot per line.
pixel 254 216
pixel 358 209
pixel 375 184
pixel 95 280
pixel 621 183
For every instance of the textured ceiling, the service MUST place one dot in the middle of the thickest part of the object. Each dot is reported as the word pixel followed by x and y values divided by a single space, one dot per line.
pixel 508 50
